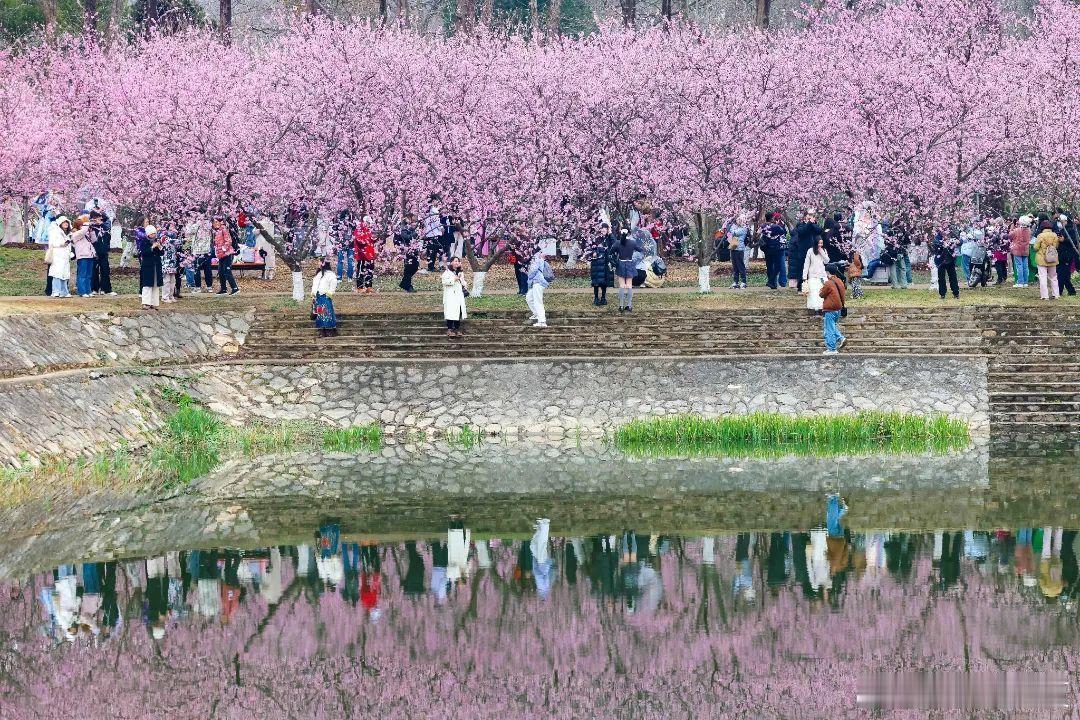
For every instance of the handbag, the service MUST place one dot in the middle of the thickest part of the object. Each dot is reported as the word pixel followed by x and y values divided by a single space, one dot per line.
pixel 1050 255
pixel 49 256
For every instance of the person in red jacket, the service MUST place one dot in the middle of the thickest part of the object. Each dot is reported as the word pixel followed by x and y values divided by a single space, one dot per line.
pixel 364 251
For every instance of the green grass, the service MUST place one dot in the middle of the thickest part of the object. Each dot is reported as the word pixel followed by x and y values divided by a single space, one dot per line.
pixel 350 439
pixel 467 437
pixel 22 272
pixel 196 440
pixel 772 434
pixel 193 442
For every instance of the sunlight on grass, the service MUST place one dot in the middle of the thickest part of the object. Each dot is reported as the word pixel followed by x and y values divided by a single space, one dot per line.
pixel 772 435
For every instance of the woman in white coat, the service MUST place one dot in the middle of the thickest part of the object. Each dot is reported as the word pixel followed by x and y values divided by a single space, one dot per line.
pixel 59 256
pixel 453 297
pixel 814 274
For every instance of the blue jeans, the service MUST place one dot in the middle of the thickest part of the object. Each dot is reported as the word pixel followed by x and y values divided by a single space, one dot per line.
pixel 782 261
pixel 84 268
pixel 1021 268
pixel 189 277
pixel 341 265
pixel 832 332
pixel 60 288
pixel 871 268
pixel 965 263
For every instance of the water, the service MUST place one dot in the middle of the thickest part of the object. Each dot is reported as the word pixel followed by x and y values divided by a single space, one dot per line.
pixel 344 599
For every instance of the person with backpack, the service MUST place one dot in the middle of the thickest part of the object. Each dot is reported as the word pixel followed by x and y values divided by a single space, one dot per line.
pixel 1046 257
pixel 832 303
pixel 540 276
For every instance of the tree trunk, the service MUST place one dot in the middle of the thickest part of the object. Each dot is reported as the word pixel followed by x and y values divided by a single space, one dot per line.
pixel 554 17
pixel 665 9
pixel 487 12
pixel 224 19
pixel 153 14
pixel 629 12
pixel 112 27
pixel 49 10
pixel 704 254
pixel 534 18
pixel 90 18
pixel 466 12
pixel 762 10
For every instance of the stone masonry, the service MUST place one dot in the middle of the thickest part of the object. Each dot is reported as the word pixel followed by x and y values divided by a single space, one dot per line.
pixel 589 398
pixel 35 344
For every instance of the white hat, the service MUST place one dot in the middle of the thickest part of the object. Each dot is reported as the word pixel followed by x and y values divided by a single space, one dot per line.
pixel 1024 221
pixel 150 230
pixel 158 632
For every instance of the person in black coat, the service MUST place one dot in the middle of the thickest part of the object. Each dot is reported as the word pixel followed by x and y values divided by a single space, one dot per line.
pixel 1068 253
pixel 806 234
pixel 101 236
pixel 151 278
pixel 944 257
pixel 601 272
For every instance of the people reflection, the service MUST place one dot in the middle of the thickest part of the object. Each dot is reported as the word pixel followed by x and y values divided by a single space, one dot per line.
pixel 624 571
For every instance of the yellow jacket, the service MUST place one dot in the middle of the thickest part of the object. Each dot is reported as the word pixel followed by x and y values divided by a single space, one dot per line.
pixel 1046 239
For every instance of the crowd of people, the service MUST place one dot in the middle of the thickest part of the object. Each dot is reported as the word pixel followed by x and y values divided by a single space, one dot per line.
pixel 83 601
pixel 175 256
pixel 828 260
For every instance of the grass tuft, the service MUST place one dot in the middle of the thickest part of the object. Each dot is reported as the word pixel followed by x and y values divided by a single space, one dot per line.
pixel 773 434
pixel 467 437
pixel 350 439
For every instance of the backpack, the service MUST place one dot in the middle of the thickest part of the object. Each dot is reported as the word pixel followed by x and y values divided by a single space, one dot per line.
pixel 1050 255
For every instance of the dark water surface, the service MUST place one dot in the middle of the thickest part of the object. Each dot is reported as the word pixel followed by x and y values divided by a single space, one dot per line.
pixel 554 605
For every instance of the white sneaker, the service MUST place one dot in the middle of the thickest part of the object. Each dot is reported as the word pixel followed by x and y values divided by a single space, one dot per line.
pixel 540 325
pixel 840 343
pixel 533 318
pixel 830 352
pixel 113 294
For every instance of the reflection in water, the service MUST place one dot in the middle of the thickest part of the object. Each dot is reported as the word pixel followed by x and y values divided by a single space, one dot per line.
pixel 617 624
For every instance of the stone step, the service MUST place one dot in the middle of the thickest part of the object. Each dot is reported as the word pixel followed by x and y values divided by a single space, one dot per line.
pixel 559 352
pixel 540 339
pixel 586 324
pixel 1030 388
pixel 604 335
pixel 1064 417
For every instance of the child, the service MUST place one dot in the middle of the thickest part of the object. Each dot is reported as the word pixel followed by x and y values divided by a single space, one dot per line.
pixel 601 273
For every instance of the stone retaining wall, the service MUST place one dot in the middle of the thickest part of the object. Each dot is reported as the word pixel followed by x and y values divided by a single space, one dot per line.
pixel 41 343
pixel 84 414
pixel 590 398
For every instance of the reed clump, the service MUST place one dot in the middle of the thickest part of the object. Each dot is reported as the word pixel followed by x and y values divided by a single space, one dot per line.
pixel 773 434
